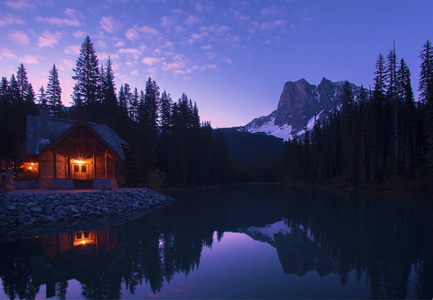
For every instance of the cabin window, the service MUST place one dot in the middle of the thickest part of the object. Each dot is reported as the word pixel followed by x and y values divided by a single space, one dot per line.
pixel 76 168
pixel 78 235
pixel 83 169
pixel 86 234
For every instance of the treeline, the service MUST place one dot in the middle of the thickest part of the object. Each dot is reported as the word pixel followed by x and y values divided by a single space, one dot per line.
pixel 378 135
pixel 167 142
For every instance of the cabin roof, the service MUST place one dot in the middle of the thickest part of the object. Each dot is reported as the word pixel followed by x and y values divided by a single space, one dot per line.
pixel 57 127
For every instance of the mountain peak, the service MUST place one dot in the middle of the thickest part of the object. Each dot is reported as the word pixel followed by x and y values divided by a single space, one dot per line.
pixel 299 106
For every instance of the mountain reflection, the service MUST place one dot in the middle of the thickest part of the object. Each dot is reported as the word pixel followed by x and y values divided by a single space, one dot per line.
pixel 383 240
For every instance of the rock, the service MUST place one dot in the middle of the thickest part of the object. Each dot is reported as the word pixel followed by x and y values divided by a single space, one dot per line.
pixel 23 212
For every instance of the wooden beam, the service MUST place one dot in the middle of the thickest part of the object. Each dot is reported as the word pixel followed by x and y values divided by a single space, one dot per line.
pixel 114 168
pixel 68 160
pixel 54 163
pixel 81 140
pixel 106 163
pixel 94 159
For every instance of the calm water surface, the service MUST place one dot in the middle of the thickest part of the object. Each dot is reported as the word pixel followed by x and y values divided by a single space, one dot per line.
pixel 250 241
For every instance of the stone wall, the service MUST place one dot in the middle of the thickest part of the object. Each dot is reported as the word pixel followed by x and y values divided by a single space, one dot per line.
pixel 62 184
pixel 44 183
pixel 104 184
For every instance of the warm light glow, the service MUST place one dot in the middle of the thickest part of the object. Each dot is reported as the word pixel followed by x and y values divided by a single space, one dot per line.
pixel 30 168
pixel 80 161
pixel 83 242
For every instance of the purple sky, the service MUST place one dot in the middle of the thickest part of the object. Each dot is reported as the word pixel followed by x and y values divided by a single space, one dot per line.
pixel 230 56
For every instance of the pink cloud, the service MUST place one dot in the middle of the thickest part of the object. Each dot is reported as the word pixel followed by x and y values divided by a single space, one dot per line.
pixel 270 11
pixel 20 37
pixel 79 34
pixel 30 59
pixel 105 55
pixel 272 25
pixel 48 39
pixel 151 60
pixel 6 53
pixel 134 33
pixel 134 52
pixel 192 20
pixel 10 19
pixel 72 50
pixel 109 24
pixel 167 21
pixel 71 21
pixel 197 37
pixel 19 4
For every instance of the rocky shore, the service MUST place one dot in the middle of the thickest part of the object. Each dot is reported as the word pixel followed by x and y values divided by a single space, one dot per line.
pixel 28 215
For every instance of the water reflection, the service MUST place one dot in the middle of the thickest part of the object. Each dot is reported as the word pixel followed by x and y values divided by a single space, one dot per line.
pixel 381 240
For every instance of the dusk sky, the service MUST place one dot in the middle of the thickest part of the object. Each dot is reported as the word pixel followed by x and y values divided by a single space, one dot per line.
pixel 231 57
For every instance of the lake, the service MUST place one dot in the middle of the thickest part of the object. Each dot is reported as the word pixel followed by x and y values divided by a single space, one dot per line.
pixel 244 241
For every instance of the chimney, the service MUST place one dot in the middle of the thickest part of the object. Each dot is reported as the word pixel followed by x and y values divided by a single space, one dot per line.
pixel 44 127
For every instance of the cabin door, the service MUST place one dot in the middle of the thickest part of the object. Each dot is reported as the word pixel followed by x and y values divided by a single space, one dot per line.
pixel 82 171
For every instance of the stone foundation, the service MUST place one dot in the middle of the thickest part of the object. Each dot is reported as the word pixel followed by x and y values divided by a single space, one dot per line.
pixel 62 184
pixel 44 183
pixel 104 184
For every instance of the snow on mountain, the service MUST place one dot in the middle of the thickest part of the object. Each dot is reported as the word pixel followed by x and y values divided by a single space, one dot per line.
pixel 268 233
pixel 300 106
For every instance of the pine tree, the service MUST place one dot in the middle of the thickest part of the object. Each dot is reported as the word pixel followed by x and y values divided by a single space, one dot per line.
pixel 379 136
pixel 87 76
pixel 165 151
pixel 30 97
pixel 4 119
pixel 110 110
pixel 123 101
pixel 42 97
pixel 149 123
pixel 54 93
pixel 133 105
pixel 22 81
pixel 127 98
pixel 379 80
pixel 14 93
pixel 408 118
pixel 391 74
pixel 426 74
pixel 392 100
pixel 426 97
pixel 347 97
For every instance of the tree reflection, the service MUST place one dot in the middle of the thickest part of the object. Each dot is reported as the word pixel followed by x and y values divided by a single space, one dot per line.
pixel 327 233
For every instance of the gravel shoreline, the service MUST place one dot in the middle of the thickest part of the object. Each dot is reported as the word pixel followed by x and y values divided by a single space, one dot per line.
pixel 28 215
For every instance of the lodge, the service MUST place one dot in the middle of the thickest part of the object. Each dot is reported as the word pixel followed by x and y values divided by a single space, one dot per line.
pixel 68 154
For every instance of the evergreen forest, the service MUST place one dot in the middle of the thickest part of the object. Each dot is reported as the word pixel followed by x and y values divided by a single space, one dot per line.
pixel 381 135
pixel 168 144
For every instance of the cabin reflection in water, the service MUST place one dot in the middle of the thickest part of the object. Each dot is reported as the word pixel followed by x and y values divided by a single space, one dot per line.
pixel 80 255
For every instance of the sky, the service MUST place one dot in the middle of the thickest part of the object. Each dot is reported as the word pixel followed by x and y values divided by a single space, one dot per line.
pixel 232 57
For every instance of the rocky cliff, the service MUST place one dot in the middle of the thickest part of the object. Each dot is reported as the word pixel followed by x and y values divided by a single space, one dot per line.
pixel 301 104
